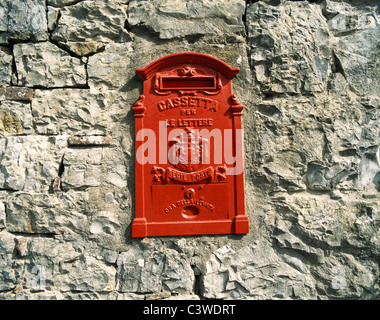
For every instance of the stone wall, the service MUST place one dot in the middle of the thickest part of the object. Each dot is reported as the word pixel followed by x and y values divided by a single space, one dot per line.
pixel 310 80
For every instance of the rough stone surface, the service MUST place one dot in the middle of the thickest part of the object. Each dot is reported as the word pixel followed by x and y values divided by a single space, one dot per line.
pixel 289 42
pixel 30 163
pixel 44 213
pixel 89 141
pixel 2 215
pixel 9 272
pixel 15 118
pixel 97 20
pixel 256 270
pixel 46 65
pixel 83 48
pixel 69 111
pixel 155 270
pixel 195 18
pixel 309 79
pixel 93 167
pixel 61 3
pixel 16 93
pixel 358 57
pixel 22 20
pixel 6 60
pixel 110 68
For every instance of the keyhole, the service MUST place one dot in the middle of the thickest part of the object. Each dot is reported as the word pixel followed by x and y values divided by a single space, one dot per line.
pixel 189 193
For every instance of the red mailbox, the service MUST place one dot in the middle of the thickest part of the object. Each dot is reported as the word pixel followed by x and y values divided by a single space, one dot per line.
pixel 189 149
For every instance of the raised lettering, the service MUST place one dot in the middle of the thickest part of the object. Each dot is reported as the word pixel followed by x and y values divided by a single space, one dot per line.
pixel 212 105
pixel 187 101
pixel 169 104
pixel 192 102
pixel 194 122
pixel 176 102
pixel 184 101
pixel 170 122
pixel 161 106
pixel 185 202
pixel 201 102
pixel 187 112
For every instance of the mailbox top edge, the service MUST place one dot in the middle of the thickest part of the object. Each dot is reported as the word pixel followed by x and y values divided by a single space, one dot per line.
pixel 184 58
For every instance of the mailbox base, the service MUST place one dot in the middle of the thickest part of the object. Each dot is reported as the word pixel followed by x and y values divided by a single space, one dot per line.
pixel 139 228
pixel 189 228
pixel 241 224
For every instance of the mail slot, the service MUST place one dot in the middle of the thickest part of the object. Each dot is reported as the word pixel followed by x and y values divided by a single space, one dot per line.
pixel 192 83
pixel 188 149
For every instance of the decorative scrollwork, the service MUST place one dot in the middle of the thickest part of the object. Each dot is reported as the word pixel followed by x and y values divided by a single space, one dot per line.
pixel 159 174
pixel 236 106
pixel 220 173
pixel 186 71
pixel 139 108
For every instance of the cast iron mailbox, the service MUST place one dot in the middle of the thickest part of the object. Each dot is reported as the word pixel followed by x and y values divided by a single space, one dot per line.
pixel 188 149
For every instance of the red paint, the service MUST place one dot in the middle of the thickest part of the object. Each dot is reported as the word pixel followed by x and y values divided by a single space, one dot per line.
pixel 197 194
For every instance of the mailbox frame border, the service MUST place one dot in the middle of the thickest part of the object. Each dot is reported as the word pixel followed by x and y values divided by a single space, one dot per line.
pixel 140 227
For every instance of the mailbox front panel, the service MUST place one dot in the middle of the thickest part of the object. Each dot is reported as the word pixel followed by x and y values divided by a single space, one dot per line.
pixel 188 165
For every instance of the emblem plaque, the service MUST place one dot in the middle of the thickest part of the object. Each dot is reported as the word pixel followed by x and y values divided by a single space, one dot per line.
pixel 188 149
